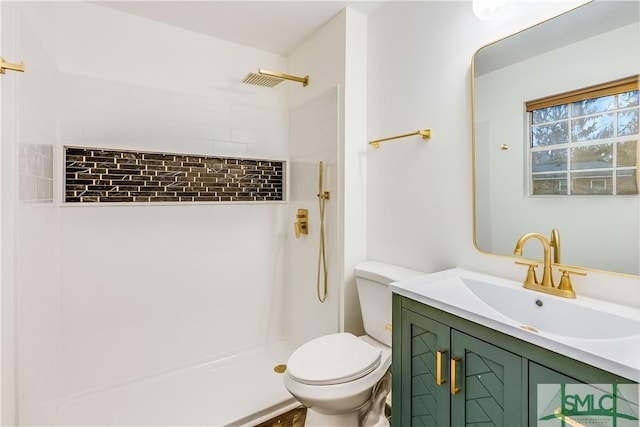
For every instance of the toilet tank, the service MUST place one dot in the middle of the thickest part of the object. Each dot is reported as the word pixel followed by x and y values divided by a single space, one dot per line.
pixel 372 280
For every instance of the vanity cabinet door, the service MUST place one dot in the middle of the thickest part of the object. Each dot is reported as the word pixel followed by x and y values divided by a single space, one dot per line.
pixel 545 397
pixel 541 375
pixel 489 387
pixel 416 391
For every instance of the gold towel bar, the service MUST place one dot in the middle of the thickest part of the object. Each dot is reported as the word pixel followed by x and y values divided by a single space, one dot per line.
pixel 4 66
pixel 426 134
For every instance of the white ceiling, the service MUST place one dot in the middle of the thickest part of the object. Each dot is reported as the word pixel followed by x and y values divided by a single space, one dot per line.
pixel 272 26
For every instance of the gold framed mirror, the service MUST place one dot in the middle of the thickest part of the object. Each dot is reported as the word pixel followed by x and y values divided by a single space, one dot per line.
pixel 595 43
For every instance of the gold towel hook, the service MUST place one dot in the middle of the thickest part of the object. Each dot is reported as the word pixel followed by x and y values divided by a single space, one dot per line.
pixel 4 66
pixel 425 133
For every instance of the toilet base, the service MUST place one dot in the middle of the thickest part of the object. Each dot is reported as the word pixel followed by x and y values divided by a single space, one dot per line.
pixel 316 419
pixel 371 414
pixel 350 419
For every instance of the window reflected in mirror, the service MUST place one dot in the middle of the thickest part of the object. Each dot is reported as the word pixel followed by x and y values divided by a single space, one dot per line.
pixel 581 144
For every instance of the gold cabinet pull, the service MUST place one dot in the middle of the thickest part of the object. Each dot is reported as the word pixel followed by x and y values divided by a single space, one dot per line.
pixel 439 379
pixel 4 66
pixel 454 387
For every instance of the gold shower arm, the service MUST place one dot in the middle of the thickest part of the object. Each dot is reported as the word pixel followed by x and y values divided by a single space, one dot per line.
pixel 4 66
pixel 304 80
pixel 426 134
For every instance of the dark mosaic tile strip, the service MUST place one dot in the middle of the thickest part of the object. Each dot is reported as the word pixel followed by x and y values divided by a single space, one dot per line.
pixel 99 175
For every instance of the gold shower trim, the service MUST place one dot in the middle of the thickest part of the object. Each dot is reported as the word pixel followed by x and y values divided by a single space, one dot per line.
pixel 323 196
pixel 425 133
pixel 4 66
pixel 304 80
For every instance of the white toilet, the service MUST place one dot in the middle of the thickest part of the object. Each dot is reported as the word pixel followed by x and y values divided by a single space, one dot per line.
pixel 342 379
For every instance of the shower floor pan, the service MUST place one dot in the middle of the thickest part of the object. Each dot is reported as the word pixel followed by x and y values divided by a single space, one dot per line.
pixel 239 390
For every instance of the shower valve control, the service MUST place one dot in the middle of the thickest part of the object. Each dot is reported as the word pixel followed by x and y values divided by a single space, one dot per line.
pixel 301 225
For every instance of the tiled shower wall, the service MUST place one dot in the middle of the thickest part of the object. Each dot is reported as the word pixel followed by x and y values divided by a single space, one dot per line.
pixel 118 90
pixel 313 128
pixel 99 175
pixel 35 182
pixel 98 112
pixel 35 260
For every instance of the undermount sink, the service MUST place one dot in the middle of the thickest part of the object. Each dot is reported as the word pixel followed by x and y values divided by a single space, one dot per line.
pixel 552 314
pixel 603 334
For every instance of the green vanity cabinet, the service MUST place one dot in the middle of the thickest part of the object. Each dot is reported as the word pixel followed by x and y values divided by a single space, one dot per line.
pixel 496 375
pixel 542 375
pixel 488 380
pixel 490 383
pixel 426 403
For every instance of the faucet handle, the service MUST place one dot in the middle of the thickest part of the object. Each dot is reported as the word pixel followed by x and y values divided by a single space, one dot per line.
pixel 530 264
pixel 565 280
pixel 568 271
pixel 531 278
pixel 564 288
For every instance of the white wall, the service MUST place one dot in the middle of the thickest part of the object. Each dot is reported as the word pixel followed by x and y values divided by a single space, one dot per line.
pixel 334 59
pixel 8 200
pixel 313 138
pixel 30 277
pixel 501 113
pixel 159 87
pixel 353 218
pixel 419 193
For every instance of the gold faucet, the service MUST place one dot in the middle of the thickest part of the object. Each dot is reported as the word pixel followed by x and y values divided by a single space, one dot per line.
pixel 547 279
pixel 555 244
pixel 546 285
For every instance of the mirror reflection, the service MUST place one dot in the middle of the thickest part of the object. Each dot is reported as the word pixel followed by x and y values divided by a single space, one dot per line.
pixel 555 115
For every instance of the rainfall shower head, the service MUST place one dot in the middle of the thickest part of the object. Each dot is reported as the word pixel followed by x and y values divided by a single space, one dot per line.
pixel 261 80
pixel 271 79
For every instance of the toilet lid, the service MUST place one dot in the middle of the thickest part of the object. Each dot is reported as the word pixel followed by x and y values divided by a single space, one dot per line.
pixel 333 359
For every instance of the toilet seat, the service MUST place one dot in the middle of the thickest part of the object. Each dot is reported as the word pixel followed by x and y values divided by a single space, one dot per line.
pixel 333 359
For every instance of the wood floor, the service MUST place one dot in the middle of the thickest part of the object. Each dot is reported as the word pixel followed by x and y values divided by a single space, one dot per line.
pixel 296 417
pixel 293 418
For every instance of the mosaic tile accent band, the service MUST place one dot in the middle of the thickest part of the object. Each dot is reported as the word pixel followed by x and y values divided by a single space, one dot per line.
pixel 95 175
